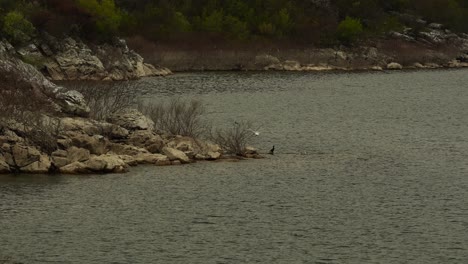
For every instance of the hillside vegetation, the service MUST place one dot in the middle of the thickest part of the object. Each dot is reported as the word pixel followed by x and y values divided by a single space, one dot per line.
pixel 315 22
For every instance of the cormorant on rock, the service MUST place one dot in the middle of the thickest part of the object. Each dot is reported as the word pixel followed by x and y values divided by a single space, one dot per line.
pixel 272 151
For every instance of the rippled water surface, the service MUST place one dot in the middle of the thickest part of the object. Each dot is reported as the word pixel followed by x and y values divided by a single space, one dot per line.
pixel 370 168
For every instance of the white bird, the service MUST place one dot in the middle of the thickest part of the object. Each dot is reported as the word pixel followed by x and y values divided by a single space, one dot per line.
pixel 256 133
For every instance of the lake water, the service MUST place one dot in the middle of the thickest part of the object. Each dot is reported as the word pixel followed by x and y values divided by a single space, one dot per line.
pixel 369 168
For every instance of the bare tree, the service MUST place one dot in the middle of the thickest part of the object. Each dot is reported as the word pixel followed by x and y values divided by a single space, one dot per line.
pixel 104 99
pixel 26 110
pixel 178 117
pixel 235 138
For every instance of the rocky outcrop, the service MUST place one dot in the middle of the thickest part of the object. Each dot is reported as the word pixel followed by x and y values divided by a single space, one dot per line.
pixel 67 101
pixel 72 59
pixel 87 146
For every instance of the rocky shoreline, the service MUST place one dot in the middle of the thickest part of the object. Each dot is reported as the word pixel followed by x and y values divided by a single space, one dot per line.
pixel 433 47
pixel 64 140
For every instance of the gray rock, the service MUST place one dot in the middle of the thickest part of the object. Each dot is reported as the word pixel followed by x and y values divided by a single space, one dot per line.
pixel 75 168
pixel 78 154
pixel 27 159
pixel 60 162
pixel 435 26
pixel 291 65
pixel 174 154
pixel 394 66
pixel 213 155
pixel 95 144
pixel 4 167
pixel 43 165
pixel 146 139
pixel 131 119
pixel 265 60
pixel 73 102
pixel 107 164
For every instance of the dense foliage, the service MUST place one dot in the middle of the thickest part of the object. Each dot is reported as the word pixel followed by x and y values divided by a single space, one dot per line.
pixel 309 21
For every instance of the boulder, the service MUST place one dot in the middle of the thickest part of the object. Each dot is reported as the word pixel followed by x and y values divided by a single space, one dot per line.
pixel 43 165
pixel 123 149
pixel 146 139
pixel 106 164
pixel 174 154
pixel 60 162
pixel 213 155
pixel 24 156
pixel 394 66
pixel 250 150
pixel 291 65
pixel 265 60
pixel 317 68
pixel 95 144
pixel 27 159
pixel 73 102
pixel 131 119
pixel 432 65
pixel 149 158
pixel 75 168
pixel 78 154
pixel 129 160
pixel 4 167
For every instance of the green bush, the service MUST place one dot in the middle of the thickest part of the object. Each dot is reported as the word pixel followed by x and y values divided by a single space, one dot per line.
pixel 106 14
pixel 349 30
pixel 17 28
pixel 235 27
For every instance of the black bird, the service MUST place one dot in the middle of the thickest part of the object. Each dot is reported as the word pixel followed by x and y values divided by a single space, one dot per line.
pixel 272 151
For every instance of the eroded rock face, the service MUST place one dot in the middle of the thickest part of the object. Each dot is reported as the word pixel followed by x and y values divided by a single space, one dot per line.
pixel 69 102
pixel 72 59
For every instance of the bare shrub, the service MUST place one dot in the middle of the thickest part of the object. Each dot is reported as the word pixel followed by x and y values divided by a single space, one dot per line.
pixel 178 117
pixel 25 110
pixel 104 99
pixel 43 132
pixel 234 139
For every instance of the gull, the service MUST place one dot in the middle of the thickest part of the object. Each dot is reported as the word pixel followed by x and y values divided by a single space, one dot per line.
pixel 256 133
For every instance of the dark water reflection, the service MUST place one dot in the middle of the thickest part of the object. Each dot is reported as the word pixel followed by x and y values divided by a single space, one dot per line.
pixel 370 168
